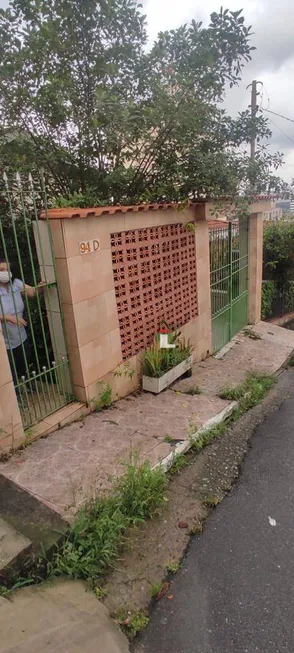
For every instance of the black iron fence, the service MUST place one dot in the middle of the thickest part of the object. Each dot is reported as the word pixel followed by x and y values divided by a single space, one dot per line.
pixel 276 301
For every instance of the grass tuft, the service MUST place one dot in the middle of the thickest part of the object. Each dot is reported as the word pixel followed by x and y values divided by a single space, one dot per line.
pixel 155 589
pixel 168 439
pixel 179 461
pixel 100 592
pixel 212 500
pixel 249 393
pixel 132 623
pixel 173 567
pixel 95 538
pixel 208 436
pixel 196 528
pixel 193 390
pixel 232 393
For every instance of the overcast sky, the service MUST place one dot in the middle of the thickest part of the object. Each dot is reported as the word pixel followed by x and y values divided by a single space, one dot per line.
pixel 273 61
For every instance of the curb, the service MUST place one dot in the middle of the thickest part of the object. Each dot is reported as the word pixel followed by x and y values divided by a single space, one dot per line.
pixel 184 446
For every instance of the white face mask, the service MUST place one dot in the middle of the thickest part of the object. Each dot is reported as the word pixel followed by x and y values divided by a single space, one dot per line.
pixel 5 276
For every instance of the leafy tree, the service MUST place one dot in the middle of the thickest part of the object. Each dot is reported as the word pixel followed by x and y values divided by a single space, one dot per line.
pixel 111 121
pixel 278 253
pixel 268 297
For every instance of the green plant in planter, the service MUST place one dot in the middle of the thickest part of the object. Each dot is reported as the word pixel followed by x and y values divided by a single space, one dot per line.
pixel 157 361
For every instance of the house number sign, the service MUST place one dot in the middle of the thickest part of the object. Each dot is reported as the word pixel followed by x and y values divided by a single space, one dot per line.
pixel 89 246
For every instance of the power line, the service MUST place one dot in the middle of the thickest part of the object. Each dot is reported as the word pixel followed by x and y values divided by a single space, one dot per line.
pixel 277 114
pixel 281 130
pixel 267 95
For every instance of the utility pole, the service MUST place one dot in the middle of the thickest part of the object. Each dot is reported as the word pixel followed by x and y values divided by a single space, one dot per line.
pixel 254 108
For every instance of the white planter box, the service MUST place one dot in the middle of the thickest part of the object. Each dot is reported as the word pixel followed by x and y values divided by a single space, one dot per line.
pixel 156 385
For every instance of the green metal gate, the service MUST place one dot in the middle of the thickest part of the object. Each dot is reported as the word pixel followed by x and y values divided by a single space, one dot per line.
pixel 228 243
pixel 30 311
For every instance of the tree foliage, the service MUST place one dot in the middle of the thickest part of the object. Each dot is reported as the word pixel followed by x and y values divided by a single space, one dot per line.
pixel 110 120
pixel 278 253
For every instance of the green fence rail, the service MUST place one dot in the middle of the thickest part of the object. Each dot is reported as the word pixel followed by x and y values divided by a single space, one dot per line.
pixel 228 243
pixel 29 301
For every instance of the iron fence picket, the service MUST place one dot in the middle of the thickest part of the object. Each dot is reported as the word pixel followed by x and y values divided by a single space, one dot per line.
pixel 228 280
pixel 44 389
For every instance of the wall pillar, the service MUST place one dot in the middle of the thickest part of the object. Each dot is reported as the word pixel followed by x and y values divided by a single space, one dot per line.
pixel 255 267
pixel 88 301
pixel 204 342
pixel 11 428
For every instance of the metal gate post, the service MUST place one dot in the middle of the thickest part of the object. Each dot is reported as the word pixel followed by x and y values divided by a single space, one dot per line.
pixel 230 281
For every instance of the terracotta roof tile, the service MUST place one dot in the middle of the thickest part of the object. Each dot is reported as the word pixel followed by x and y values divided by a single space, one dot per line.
pixel 216 224
pixel 55 214
pixel 73 212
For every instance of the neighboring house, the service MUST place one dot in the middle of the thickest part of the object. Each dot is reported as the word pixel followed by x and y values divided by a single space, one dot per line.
pixel 284 205
pixel 274 215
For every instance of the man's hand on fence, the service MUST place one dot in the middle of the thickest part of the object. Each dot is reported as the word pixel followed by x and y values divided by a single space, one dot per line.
pixel 14 319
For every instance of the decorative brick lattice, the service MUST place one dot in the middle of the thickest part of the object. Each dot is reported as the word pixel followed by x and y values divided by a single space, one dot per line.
pixel 155 279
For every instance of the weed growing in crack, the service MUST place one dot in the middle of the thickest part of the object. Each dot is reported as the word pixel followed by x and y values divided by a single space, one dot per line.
pixel 192 429
pixel 249 393
pixel 232 394
pixel 251 334
pixel 4 591
pixel 179 461
pixel 256 387
pixel 173 567
pixel 100 592
pixel 196 528
pixel 212 500
pixel 155 589
pixel 105 400
pixel 193 390
pixel 168 439
pixel 94 540
pixel 130 622
pixel 207 437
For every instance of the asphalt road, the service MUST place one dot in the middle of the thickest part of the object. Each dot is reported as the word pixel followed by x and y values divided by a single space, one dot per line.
pixel 235 590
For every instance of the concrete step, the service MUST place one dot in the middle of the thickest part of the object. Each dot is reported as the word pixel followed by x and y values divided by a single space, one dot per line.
pixel 59 617
pixel 28 528
pixel 12 544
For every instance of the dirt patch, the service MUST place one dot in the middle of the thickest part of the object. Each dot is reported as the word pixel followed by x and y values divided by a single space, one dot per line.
pixel 203 482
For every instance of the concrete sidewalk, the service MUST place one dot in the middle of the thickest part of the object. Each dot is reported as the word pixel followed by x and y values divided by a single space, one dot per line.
pixel 62 617
pixel 234 591
pixel 75 463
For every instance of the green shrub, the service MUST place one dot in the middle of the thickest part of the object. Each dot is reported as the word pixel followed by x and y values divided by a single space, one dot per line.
pixel 268 295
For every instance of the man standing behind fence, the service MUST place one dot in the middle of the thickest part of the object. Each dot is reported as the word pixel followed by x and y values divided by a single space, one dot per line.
pixel 12 320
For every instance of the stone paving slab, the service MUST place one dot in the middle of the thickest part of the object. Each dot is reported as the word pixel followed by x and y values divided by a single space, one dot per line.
pixel 79 461
pixel 59 617
pixel 266 355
